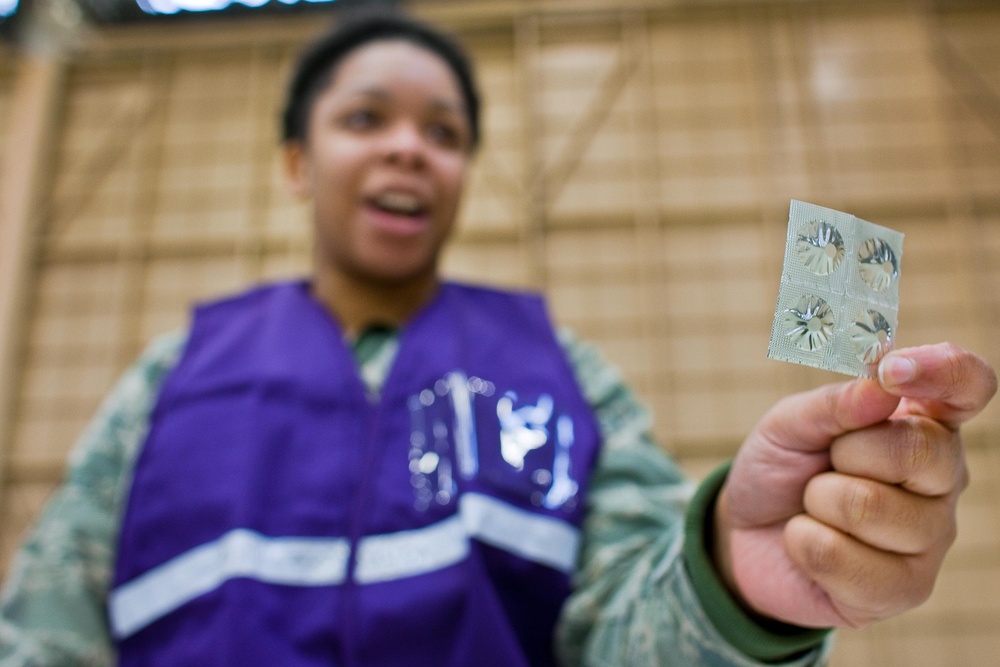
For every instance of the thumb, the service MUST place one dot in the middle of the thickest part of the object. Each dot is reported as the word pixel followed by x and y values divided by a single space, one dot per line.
pixel 790 445
pixel 810 421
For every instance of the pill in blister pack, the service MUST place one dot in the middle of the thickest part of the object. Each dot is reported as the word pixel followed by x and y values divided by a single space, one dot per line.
pixel 838 305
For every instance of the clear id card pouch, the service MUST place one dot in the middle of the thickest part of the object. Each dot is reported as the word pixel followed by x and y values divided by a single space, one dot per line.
pixel 838 303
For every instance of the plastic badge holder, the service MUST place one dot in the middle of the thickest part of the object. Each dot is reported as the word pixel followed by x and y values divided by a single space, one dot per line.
pixel 838 305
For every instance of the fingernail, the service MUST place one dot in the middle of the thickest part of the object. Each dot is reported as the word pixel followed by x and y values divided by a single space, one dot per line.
pixel 896 370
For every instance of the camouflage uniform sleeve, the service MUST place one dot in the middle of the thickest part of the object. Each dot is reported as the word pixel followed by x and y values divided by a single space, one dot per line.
pixel 52 610
pixel 634 601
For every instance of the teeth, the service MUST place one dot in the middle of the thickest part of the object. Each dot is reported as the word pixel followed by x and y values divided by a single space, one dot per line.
pixel 398 202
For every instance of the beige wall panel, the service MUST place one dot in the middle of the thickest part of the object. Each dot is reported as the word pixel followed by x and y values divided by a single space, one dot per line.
pixel 493 263
pixel 938 290
pixel 981 161
pixel 725 150
pixel 286 217
pixel 574 252
pixel 700 466
pixel 98 162
pixel 597 199
pixel 982 648
pixel 292 261
pixel 586 139
pixel 691 353
pixel 879 76
pixel 707 119
pixel 577 51
pixel 697 416
pixel 22 503
pixel 980 525
pixel 71 361
pixel 599 191
pixel 630 351
pixel 888 184
pixel 660 402
pixel 728 304
pixel 46 431
pixel 496 191
pixel 684 195
pixel 968 56
pixel 219 159
pixel 985 302
pixel 845 28
pixel 742 355
pixel 7 72
pixel 885 649
pixel 281 214
pixel 594 289
pixel 494 207
pixel 717 301
pixel 705 414
pixel 706 43
pixel 614 302
pixel 708 418
pixel 962 590
pixel 728 246
pixel 931 292
pixel 172 286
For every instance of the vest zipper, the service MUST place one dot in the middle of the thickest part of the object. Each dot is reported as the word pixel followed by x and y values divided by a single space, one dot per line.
pixel 362 491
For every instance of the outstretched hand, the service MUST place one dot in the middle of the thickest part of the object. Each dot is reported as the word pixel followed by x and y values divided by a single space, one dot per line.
pixel 840 505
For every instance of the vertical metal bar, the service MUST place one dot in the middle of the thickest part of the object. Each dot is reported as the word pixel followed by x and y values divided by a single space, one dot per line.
pixel 260 120
pixel 156 78
pixel 527 48
pixel 38 95
pixel 647 176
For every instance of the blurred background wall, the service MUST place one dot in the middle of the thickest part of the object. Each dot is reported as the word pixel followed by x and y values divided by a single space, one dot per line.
pixel 638 162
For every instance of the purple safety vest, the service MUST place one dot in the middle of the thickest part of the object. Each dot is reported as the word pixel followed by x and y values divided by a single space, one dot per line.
pixel 279 515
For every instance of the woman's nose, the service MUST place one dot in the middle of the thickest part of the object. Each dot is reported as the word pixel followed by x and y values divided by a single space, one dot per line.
pixel 405 145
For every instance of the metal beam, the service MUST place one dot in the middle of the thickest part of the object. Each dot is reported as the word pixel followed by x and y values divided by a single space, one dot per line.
pixel 36 100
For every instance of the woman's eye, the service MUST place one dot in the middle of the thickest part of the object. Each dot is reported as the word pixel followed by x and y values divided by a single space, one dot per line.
pixel 444 134
pixel 361 119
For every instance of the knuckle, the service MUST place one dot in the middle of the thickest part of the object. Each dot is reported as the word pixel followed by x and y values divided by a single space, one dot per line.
pixel 915 451
pixel 895 591
pixel 863 502
pixel 972 381
pixel 954 371
pixel 946 522
pixel 821 555
pixel 914 522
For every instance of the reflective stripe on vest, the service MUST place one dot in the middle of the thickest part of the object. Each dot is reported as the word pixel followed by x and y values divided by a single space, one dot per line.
pixel 297 561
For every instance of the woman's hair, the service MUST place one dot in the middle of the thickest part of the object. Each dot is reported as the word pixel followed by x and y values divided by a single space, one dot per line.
pixel 318 62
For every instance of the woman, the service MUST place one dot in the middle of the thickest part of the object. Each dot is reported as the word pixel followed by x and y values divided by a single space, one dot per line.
pixel 376 467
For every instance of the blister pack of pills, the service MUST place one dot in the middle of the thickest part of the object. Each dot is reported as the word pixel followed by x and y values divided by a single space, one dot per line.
pixel 838 305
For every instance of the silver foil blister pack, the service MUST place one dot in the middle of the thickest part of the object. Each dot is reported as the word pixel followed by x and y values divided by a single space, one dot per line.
pixel 838 305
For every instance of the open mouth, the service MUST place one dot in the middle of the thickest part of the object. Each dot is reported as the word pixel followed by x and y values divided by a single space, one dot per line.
pixel 398 213
pixel 399 203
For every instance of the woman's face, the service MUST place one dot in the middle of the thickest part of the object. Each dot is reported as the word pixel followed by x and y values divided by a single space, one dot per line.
pixel 384 163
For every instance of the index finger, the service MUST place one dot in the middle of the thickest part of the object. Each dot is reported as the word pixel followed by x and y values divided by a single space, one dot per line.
pixel 944 382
